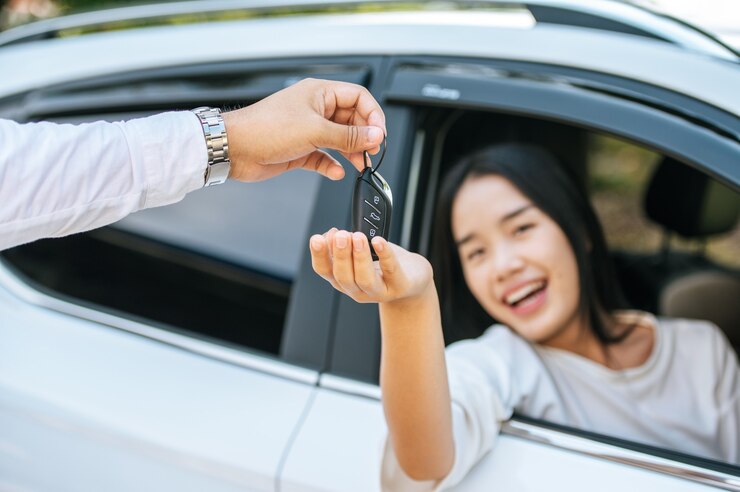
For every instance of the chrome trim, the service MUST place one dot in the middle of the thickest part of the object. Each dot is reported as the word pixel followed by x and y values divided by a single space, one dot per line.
pixel 624 13
pixel 349 386
pixel 26 293
pixel 609 452
pixel 413 187
pixel 569 442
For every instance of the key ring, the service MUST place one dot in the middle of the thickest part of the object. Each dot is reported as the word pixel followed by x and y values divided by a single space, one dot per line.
pixel 366 157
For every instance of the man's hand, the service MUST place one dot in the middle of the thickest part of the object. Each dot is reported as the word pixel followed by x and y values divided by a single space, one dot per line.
pixel 286 130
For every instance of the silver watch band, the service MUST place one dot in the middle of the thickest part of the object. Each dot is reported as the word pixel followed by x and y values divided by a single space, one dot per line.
pixel 217 144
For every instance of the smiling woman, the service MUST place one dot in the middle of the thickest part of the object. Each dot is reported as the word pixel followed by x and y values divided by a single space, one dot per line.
pixel 517 243
pixel 552 225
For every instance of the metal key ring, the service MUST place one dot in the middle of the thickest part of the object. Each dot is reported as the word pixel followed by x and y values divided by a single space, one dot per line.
pixel 366 157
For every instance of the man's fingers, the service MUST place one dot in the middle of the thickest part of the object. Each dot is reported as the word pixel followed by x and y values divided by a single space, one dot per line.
pixel 348 138
pixel 358 161
pixel 320 162
pixel 343 95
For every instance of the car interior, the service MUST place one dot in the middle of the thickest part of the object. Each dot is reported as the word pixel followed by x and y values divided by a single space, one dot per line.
pixel 673 199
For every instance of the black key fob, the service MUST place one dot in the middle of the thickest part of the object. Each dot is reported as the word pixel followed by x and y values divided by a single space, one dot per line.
pixel 372 205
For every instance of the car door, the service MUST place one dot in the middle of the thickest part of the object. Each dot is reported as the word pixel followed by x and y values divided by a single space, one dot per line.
pixel 162 352
pixel 429 96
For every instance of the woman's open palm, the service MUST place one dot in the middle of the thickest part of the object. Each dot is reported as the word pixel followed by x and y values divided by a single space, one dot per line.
pixel 344 260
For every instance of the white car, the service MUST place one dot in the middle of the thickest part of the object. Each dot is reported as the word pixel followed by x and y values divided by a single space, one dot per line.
pixel 192 347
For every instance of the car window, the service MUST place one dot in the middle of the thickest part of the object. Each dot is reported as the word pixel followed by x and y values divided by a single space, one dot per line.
pixel 259 226
pixel 218 265
pixel 618 175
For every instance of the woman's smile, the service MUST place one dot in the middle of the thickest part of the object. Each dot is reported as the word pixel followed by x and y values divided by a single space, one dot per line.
pixel 517 262
pixel 527 298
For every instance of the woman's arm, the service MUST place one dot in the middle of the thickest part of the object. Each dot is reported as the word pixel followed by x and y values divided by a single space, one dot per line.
pixel 416 397
pixel 413 378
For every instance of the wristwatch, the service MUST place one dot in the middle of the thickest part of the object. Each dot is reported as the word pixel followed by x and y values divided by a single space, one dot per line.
pixel 217 144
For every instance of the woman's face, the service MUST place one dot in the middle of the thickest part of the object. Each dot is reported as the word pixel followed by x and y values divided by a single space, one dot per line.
pixel 516 260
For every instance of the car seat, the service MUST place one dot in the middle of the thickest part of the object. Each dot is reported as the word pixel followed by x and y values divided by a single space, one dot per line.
pixel 685 201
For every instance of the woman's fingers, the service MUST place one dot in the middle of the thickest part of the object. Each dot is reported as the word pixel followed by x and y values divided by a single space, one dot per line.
pixel 366 276
pixel 345 260
pixel 343 267
pixel 321 257
pixel 388 261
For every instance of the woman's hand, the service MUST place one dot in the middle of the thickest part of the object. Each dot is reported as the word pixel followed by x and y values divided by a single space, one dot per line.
pixel 344 260
pixel 413 376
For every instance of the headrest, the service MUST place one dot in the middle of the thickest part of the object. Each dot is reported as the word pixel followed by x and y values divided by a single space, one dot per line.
pixel 688 202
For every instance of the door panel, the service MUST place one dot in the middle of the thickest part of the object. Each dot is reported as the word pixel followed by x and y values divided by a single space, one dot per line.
pixel 339 448
pixel 99 408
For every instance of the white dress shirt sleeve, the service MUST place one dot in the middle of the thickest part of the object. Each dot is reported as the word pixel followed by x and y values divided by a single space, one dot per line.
pixel 57 179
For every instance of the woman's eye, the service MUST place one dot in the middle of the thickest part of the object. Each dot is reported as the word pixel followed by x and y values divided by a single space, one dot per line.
pixel 522 229
pixel 477 253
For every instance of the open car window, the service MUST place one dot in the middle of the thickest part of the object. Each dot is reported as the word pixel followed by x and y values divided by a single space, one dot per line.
pixel 219 265
pixel 669 262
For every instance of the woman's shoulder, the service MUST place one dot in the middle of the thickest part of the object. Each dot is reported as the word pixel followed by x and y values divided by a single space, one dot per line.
pixel 497 343
pixel 494 335
pixel 693 329
pixel 695 335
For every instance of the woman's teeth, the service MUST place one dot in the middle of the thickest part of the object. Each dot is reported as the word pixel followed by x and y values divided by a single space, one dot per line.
pixel 524 292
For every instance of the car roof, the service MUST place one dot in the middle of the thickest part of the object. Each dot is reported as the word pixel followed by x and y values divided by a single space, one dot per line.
pixel 511 34
pixel 619 15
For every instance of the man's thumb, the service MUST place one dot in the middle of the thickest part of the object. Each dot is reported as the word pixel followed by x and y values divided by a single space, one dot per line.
pixel 349 138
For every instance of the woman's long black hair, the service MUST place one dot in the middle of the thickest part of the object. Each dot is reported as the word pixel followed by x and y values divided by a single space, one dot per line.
pixel 540 177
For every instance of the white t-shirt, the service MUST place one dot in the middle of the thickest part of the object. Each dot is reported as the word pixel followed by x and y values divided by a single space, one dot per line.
pixel 57 180
pixel 685 397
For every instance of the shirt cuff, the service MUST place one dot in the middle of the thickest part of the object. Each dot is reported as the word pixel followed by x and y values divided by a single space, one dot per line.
pixel 169 151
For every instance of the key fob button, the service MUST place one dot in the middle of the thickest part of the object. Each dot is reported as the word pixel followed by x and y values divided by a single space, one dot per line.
pixel 371 206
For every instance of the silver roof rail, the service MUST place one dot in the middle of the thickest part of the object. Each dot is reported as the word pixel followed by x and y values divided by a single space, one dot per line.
pixel 612 15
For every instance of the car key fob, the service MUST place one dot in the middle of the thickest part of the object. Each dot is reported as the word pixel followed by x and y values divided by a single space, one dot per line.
pixel 372 205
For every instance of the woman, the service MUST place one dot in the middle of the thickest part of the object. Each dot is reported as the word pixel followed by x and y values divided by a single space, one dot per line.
pixel 518 243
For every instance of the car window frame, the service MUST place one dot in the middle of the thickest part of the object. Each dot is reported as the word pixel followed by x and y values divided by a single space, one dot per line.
pixel 353 373
pixel 712 127
pixel 304 345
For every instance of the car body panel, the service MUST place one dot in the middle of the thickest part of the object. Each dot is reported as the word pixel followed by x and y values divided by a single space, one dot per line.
pixel 466 34
pixel 76 394
pixel 341 441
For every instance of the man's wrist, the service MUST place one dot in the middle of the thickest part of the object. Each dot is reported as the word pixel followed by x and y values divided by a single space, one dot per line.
pixel 217 145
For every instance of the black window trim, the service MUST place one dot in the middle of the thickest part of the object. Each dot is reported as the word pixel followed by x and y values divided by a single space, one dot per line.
pixel 540 95
pixel 652 103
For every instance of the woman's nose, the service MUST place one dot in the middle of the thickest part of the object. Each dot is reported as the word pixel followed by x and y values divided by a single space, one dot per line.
pixel 506 262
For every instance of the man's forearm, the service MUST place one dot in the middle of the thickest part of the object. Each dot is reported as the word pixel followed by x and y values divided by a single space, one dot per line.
pixel 63 179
